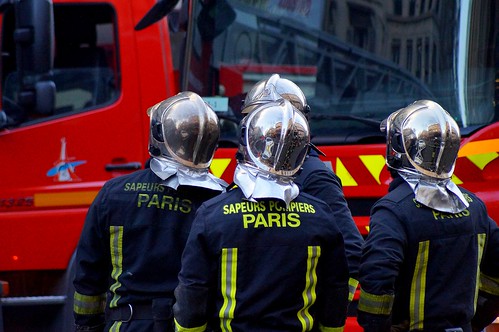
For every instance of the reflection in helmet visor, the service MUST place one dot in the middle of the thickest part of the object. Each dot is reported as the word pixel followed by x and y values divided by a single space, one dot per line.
pixel 430 140
pixel 277 136
pixel 184 129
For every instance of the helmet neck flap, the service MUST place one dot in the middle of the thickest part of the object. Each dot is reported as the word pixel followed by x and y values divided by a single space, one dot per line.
pixel 438 194
pixel 175 174
pixel 256 184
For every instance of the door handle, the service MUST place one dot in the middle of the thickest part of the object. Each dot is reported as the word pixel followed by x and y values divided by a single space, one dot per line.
pixel 131 166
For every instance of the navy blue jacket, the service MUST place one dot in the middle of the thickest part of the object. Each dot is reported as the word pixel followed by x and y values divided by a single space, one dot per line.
pixel 131 244
pixel 316 179
pixel 259 267
pixel 421 265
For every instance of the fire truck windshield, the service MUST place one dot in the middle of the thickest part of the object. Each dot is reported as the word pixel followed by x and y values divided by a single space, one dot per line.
pixel 353 60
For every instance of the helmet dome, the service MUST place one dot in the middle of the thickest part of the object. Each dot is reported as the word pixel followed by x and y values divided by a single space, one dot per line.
pixel 275 137
pixel 422 137
pixel 272 89
pixel 184 129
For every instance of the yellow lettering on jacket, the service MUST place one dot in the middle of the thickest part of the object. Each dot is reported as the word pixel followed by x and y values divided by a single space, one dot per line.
pixel 438 215
pixel 144 186
pixel 302 207
pixel 244 207
pixel 271 219
pixel 263 206
pixel 164 202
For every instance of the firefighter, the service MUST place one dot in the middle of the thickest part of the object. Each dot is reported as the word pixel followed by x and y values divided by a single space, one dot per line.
pixel 128 256
pixel 422 259
pixel 263 256
pixel 315 178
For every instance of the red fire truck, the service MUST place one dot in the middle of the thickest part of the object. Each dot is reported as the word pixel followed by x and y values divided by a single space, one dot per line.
pixel 78 75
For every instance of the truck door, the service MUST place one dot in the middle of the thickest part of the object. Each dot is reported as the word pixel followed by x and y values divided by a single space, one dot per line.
pixel 62 139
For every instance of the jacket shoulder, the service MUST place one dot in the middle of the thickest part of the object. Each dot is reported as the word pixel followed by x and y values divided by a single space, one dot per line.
pixel 397 194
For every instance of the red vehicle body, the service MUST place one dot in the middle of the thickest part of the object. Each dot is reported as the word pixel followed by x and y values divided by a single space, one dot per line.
pixel 77 77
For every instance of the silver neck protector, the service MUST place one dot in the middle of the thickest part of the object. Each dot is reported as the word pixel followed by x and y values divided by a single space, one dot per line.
pixel 174 174
pixel 442 195
pixel 256 184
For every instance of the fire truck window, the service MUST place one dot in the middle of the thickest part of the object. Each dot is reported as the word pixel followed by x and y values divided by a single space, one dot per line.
pixel 85 65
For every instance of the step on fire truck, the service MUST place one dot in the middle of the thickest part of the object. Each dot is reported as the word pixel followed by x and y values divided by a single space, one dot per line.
pixel 77 77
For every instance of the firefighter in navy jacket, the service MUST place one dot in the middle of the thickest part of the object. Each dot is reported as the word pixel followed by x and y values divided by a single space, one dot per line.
pixel 314 178
pixel 128 256
pixel 429 240
pixel 263 256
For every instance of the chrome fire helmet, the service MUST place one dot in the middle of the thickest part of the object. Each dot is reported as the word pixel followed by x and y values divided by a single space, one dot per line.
pixel 184 129
pixel 274 138
pixel 422 137
pixel 272 89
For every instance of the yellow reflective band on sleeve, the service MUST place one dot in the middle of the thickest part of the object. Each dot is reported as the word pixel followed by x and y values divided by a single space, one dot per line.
pixel 418 287
pixel 481 238
pixel 352 287
pixel 89 304
pixel 116 247
pixel 375 304
pixel 116 326
pixel 323 328
pixel 309 295
pixel 489 285
pixel 179 328
pixel 228 287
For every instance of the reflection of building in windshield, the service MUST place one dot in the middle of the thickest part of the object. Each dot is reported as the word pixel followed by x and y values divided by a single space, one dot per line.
pixel 351 57
pixel 403 32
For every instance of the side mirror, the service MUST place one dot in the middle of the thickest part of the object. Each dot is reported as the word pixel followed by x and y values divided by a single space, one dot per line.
pixel 45 97
pixel 34 36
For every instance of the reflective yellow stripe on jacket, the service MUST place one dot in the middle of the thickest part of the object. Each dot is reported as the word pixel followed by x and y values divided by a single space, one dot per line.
pixel 352 287
pixel 481 247
pixel 116 247
pixel 89 304
pixel 418 287
pixel 323 328
pixel 228 287
pixel 489 285
pixel 189 329
pixel 375 304
pixel 309 295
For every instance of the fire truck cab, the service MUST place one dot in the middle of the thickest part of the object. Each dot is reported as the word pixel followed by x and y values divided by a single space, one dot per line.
pixel 76 81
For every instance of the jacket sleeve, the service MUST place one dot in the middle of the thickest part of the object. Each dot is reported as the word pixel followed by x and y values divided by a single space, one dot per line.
pixel 332 287
pixel 195 280
pixel 380 265
pixel 91 270
pixel 487 309
pixel 321 182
